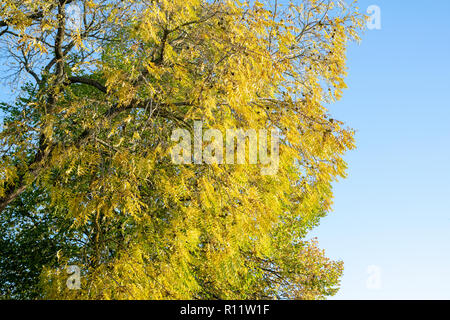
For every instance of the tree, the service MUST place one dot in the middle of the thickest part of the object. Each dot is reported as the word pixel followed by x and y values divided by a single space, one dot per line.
pixel 86 171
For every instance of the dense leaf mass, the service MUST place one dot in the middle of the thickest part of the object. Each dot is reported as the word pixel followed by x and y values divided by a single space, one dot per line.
pixel 86 176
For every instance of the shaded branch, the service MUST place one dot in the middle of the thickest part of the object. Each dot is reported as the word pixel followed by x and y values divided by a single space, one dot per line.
pixel 87 81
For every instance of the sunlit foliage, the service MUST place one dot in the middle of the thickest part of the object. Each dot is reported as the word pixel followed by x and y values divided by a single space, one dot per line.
pixel 85 149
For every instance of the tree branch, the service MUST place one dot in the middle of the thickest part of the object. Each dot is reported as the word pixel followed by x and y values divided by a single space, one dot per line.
pixel 90 82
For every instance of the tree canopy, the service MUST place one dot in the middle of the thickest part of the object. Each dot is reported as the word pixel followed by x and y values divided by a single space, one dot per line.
pixel 86 176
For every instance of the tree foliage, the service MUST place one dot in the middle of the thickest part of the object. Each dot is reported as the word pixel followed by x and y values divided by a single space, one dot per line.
pixel 86 176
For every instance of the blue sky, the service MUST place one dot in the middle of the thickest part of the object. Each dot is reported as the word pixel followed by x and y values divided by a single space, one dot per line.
pixel 393 209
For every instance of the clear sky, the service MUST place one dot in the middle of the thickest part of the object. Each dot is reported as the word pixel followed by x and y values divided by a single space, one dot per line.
pixel 393 209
